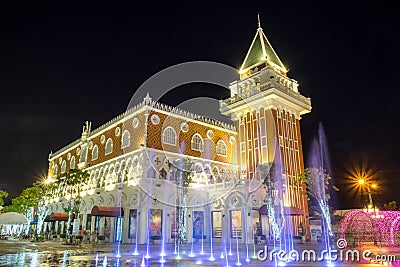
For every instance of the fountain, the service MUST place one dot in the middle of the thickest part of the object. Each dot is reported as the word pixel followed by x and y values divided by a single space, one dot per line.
pixel 211 241
pixel 105 261
pixel 320 172
pixel 202 240
pixel 136 252
pixel 238 263
pixel 316 177
pixel 143 263
pixel 273 177
pixel 191 254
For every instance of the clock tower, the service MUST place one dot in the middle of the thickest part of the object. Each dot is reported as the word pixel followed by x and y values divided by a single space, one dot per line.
pixel 266 107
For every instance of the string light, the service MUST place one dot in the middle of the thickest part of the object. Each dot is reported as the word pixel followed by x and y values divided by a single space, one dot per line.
pixel 371 223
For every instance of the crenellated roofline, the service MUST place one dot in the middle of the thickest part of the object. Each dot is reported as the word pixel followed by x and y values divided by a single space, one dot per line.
pixel 148 102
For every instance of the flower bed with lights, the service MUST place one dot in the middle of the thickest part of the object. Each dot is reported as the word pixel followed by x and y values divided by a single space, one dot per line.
pixel 372 225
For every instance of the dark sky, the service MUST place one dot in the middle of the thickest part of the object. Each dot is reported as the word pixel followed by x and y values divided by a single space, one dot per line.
pixel 61 66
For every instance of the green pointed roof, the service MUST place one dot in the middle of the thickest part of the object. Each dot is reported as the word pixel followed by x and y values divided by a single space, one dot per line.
pixel 261 51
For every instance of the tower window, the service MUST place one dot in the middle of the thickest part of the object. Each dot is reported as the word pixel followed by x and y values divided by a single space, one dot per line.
pixel 197 142
pixel 109 146
pixel 169 136
pixel 242 147
pixel 221 148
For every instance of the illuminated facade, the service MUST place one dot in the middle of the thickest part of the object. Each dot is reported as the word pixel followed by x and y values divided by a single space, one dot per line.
pixel 129 159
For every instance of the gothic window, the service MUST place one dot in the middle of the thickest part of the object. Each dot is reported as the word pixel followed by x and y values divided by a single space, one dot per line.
pixel 162 174
pixel 95 152
pixel 197 142
pixel 109 146
pixel 126 139
pixel 55 171
pixel 72 163
pixel 169 136
pixel 221 148
pixel 63 166
pixel 82 156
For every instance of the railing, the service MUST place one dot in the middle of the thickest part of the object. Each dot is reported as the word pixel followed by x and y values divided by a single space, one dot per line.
pixel 271 84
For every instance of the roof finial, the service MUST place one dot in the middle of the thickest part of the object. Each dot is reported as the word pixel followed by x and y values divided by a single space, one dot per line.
pixel 258 17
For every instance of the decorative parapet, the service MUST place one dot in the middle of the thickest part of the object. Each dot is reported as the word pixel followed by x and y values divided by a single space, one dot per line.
pixel 147 101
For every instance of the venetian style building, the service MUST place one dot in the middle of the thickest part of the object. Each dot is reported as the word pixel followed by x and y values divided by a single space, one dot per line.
pixel 131 194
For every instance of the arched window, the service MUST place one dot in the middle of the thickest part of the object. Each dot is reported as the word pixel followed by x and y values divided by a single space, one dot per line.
pixel 221 148
pixel 72 163
pixel 95 153
pixel 55 171
pixel 162 174
pixel 169 136
pixel 109 146
pixel 197 142
pixel 83 155
pixel 63 166
pixel 126 139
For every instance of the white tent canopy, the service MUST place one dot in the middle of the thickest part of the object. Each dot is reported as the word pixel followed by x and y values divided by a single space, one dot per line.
pixel 12 218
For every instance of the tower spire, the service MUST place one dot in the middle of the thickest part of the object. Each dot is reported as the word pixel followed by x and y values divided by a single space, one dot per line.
pixel 261 52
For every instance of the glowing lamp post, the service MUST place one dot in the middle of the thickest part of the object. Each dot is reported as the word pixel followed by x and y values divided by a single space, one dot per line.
pixel 363 183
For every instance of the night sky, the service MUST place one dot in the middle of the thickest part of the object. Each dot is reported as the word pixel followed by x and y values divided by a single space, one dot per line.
pixel 64 65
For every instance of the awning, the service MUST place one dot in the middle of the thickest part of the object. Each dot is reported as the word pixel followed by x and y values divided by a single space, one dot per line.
pixel 58 216
pixel 107 211
pixel 293 211
pixel 286 210
pixel 47 219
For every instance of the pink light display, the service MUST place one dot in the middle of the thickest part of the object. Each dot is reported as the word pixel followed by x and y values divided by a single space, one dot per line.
pixel 380 227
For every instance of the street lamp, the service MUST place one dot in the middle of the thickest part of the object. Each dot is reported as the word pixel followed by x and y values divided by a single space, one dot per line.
pixel 370 208
pixel 363 183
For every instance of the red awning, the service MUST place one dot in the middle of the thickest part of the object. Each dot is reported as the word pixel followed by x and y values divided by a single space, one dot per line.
pixel 107 211
pixel 58 216
pixel 286 210
pixel 47 218
pixel 293 211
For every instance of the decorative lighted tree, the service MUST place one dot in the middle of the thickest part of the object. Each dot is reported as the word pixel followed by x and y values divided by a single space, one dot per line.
pixel 182 170
pixel 72 181
pixel 272 180
pixel 317 184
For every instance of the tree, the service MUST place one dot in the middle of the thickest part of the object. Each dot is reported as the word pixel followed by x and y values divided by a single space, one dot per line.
pixel 272 179
pixel 392 205
pixel 29 198
pixel 10 208
pixel 72 181
pixel 182 171
pixel 317 184
pixel 3 195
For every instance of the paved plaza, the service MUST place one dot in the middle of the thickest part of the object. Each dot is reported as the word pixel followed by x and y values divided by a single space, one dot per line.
pixel 52 253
